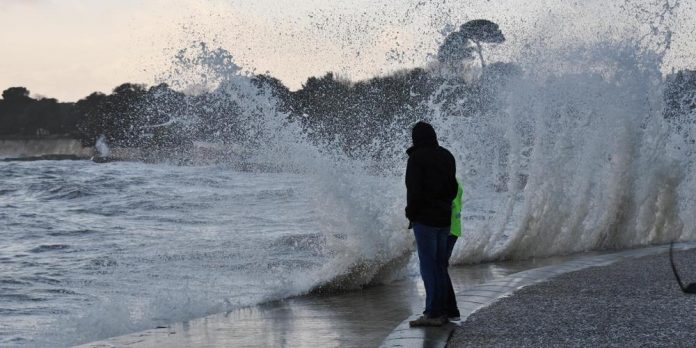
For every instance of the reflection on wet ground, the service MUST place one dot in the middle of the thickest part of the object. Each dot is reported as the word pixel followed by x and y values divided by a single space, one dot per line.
pixel 354 319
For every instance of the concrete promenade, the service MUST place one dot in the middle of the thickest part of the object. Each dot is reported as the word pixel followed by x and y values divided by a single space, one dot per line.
pixel 632 303
pixel 477 298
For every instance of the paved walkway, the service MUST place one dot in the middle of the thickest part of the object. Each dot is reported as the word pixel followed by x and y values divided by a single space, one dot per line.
pixel 634 303
pixel 474 298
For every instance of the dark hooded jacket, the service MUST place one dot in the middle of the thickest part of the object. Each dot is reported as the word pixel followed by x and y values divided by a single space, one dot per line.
pixel 430 179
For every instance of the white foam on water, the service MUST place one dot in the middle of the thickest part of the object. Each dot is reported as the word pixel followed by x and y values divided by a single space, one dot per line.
pixel 102 146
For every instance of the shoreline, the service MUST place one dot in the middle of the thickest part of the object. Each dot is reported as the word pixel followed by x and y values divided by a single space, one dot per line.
pixel 60 148
pixel 359 318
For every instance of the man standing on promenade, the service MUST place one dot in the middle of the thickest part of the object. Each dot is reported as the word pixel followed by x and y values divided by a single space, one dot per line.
pixel 430 188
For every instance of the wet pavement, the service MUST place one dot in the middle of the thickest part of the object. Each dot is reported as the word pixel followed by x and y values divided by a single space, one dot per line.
pixel 361 318
pixel 631 303
pixel 364 318
pixel 472 298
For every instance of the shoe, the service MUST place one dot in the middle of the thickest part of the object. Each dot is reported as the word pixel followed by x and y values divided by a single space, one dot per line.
pixel 428 321
pixel 454 316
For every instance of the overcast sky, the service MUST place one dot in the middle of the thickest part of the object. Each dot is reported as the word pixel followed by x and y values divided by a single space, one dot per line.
pixel 69 48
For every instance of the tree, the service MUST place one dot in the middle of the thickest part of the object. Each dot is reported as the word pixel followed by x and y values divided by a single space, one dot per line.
pixel 15 94
pixel 482 31
pixel 460 45
pixel 92 118
pixel 456 48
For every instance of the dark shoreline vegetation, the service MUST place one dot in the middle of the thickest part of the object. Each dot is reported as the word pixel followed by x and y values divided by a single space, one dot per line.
pixel 330 109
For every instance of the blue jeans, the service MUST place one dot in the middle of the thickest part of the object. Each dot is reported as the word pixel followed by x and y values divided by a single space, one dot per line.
pixel 433 255
pixel 450 299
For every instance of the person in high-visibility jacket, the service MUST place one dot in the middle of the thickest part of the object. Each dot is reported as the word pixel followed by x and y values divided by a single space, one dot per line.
pixel 455 232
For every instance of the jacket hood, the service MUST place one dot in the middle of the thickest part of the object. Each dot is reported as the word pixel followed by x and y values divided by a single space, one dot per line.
pixel 423 134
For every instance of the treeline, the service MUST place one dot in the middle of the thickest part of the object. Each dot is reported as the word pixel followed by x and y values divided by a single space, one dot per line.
pixel 353 115
pixel 23 116
pixel 350 115
pixel 328 107
pixel 356 115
